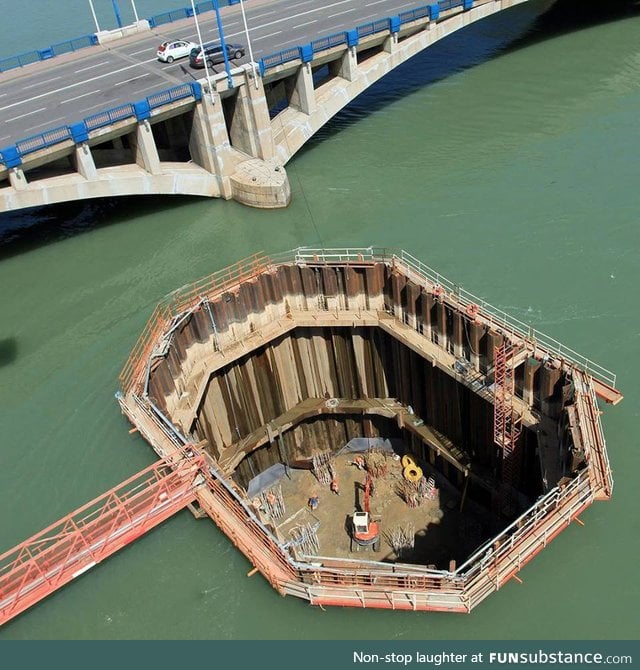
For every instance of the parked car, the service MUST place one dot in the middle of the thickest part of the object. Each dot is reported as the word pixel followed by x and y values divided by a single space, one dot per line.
pixel 172 50
pixel 214 55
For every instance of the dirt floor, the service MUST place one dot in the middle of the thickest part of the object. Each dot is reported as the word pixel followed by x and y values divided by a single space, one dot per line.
pixel 441 533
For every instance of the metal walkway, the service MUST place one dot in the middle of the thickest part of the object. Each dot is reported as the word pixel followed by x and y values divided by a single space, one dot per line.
pixel 68 548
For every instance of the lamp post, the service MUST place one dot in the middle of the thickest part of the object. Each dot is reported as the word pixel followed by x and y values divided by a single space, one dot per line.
pixel 223 44
pixel 116 10
pixel 95 18
pixel 135 11
pixel 204 56
pixel 246 32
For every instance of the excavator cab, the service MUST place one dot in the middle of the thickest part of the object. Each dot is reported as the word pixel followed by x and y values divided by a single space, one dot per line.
pixel 364 531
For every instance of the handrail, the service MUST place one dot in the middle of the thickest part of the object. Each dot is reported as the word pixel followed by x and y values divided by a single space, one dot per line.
pixel 108 116
pixel 190 296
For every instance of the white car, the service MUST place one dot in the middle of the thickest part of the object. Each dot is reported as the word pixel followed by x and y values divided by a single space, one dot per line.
pixel 174 49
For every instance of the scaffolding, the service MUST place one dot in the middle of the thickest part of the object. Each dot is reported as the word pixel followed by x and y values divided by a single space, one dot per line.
pixel 507 423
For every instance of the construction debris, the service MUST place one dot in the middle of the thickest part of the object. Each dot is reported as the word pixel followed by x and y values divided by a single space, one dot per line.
pixel 322 467
pixel 375 463
pixel 401 539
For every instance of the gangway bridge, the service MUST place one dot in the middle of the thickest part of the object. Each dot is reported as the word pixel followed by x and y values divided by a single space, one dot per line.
pixel 68 548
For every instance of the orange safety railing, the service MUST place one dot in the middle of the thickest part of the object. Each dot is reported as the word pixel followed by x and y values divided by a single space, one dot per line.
pixel 68 548
pixel 179 301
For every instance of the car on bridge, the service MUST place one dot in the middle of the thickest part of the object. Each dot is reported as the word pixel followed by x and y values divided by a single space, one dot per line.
pixel 213 54
pixel 174 49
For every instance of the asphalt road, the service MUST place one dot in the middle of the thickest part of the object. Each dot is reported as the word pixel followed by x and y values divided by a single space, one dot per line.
pixel 67 89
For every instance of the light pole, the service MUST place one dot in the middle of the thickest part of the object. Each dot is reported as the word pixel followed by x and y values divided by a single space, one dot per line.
pixel 135 11
pixel 95 18
pixel 223 44
pixel 204 55
pixel 116 10
pixel 246 32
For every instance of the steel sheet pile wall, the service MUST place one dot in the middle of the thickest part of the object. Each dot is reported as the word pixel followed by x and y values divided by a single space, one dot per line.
pixel 240 349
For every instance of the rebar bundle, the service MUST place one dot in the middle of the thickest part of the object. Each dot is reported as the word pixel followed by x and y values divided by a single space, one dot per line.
pixel 427 488
pixel 272 502
pixel 322 467
pixel 408 491
pixel 401 539
pixel 375 463
pixel 305 538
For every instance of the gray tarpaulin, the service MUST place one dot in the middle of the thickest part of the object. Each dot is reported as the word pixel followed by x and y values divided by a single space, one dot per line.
pixel 265 480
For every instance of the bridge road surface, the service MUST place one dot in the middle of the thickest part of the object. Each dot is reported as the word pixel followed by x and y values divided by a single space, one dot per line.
pixel 69 88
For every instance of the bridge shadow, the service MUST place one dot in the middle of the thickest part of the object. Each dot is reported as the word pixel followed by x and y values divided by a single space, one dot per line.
pixel 23 230
pixel 476 44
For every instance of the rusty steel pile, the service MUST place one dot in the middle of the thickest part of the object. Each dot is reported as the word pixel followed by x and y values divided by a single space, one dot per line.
pixel 368 362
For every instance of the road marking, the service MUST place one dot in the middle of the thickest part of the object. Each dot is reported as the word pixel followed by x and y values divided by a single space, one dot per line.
pixel 86 109
pixel 264 37
pixel 346 11
pixel 259 16
pixel 35 111
pixel 79 83
pixel 126 81
pixel 135 53
pixel 84 69
pixel 308 23
pixel 48 123
pixel 377 2
pixel 40 83
pixel 84 95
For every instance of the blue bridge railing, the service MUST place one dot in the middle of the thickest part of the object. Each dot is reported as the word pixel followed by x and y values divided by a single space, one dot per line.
pixel 11 156
pixel 49 52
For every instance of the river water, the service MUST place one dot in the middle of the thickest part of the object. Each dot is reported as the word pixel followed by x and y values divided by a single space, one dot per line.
pixel 513 173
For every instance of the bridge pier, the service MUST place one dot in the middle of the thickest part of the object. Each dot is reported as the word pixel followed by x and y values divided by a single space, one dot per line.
pixel 145 149
pixel 301 92
pixel 84 163
pixel 17 179
pixel 347 66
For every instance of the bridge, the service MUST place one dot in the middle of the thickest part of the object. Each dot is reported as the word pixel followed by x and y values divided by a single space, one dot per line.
pixel 111 120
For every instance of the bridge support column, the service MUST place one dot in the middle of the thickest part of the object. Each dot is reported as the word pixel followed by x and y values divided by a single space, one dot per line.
pixel 145 148
pixel 209 144
pixel 391 43
pixel 303 95
pixel 250 129
pixel 17 179
pixel 84 162
pixel 347 66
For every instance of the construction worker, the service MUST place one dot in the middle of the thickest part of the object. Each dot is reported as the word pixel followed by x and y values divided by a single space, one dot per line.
pixel 313 503
pixel 334 486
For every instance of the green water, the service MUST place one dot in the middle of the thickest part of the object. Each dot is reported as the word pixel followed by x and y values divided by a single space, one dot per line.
pixel 517 177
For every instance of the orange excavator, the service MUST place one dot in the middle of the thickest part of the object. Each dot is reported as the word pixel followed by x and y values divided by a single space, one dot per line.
pixel 365 532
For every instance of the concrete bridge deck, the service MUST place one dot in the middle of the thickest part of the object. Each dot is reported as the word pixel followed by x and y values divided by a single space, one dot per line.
pixel 229 136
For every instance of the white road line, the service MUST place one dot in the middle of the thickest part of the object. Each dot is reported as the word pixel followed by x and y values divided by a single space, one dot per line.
pixel 79 83
pixel 40 83
pixel 377 2
pixel 260 16
pixel 135 53
pixel 84 95
pixel 84 69
pixel 104 105
pixel 308 23
pixel 340 25
pixel 49 123
pixel 346 11
pixel 126 81
pixel 35 111
pixel 264 37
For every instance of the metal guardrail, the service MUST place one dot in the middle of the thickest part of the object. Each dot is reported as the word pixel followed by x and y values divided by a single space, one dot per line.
pixel 420 273
pixel 101 119
pixel 106 117
pixel 109 116
pixel 36 55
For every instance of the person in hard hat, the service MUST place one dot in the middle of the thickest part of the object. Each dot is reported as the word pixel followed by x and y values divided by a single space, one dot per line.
pixel 334 486
pixel 313 503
